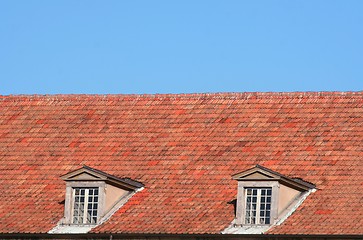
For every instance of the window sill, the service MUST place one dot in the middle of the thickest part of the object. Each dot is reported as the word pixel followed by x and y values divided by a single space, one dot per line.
pixel 71 229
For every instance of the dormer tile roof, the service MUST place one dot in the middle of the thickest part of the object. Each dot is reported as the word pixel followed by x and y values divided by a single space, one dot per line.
pixel 184 148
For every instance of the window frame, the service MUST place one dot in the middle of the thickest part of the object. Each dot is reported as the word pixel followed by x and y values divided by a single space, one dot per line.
pixel 241 200
pixel 84 207
pixel 258 196
pixel 70 200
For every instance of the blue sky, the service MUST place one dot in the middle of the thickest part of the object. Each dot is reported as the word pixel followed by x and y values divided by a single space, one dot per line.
pixel 184 46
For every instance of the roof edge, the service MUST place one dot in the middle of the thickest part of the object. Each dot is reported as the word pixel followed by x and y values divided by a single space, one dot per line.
pixel 213 95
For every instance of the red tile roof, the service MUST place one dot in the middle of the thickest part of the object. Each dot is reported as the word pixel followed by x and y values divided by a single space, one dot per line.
pixel 184 149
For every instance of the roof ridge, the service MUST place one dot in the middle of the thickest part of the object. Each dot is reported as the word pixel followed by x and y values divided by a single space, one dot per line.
pixel 216 95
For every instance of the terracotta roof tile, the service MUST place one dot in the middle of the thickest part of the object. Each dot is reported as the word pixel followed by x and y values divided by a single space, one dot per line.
pixel 184 149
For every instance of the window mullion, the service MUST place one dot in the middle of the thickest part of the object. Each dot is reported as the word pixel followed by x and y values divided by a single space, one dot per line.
pixel 85 206
pixel 258 206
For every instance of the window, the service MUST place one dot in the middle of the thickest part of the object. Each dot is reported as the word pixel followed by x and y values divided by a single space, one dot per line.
pixel 85 205
pixel 258 205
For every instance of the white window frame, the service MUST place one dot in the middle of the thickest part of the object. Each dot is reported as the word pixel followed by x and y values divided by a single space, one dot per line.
pixel 70 197
pixel 85 208
pixel 258 204
pixel 241 200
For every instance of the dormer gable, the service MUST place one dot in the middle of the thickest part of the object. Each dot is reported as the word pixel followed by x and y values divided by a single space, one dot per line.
pixel 260 173
pixel 87 173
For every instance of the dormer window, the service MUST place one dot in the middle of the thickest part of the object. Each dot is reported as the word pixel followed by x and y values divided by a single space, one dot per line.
pixel 92 196
pixel 266 198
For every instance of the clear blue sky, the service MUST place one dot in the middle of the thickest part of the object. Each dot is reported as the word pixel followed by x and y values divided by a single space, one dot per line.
pixel 183 46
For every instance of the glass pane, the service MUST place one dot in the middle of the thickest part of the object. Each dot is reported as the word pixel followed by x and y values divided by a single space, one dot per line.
pixel 248 207
pixel 89 213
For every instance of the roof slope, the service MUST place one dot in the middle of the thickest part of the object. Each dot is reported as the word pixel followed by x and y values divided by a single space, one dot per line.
pixel 184 149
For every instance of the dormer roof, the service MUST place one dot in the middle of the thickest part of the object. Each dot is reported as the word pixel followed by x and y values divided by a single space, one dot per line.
pixel 260 173
pixel 86 173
